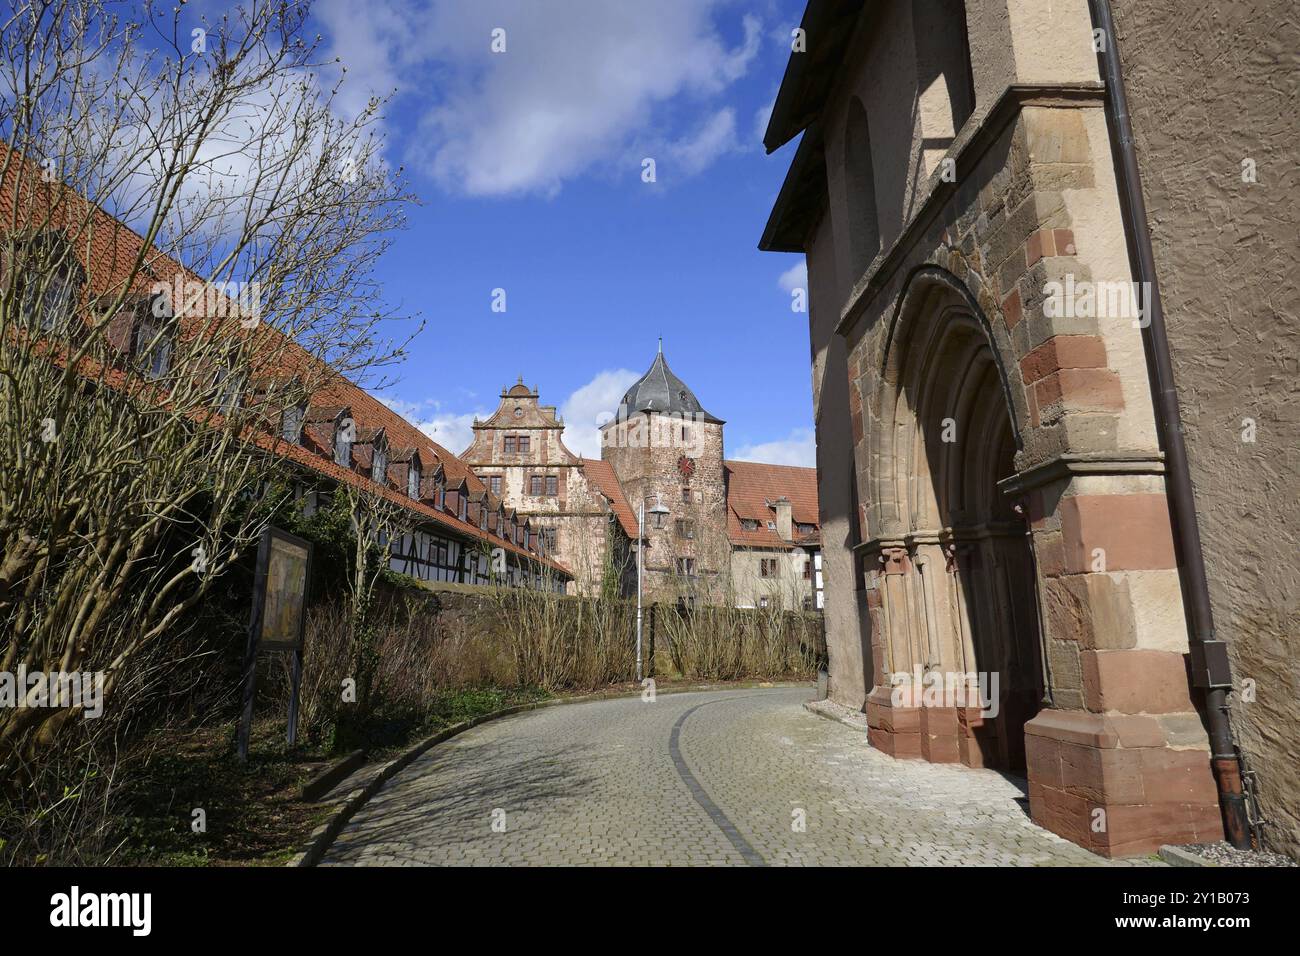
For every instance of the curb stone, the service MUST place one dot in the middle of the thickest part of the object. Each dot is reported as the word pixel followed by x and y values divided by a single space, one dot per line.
pixel 324 835
pixel 1178 856
pixel 858 724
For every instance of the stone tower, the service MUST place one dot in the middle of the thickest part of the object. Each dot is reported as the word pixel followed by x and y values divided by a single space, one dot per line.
pixel 664 447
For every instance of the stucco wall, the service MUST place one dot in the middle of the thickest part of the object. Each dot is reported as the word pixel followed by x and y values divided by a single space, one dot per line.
pixel 1212 85
pixel 848 639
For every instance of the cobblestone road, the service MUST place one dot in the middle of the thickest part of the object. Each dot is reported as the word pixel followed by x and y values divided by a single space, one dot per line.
pixel 715 778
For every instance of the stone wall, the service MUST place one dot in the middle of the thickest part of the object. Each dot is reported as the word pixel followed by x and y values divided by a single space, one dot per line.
pixel 589 542
pixel 647 452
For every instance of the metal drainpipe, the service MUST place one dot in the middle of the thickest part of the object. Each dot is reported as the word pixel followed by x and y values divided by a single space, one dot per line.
pixel 1209 656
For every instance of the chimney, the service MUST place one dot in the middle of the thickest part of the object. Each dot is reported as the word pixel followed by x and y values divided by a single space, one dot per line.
pixel 784 518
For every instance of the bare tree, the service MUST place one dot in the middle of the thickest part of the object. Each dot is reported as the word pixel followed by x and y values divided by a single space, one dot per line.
pixel 188 231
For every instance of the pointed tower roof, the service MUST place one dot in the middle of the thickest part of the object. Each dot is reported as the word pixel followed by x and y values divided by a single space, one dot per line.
pixel 659 390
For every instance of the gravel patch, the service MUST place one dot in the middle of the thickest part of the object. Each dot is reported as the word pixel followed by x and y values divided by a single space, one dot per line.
pixel 1225 854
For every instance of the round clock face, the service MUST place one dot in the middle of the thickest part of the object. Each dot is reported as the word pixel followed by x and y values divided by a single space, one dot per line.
pixel 686 466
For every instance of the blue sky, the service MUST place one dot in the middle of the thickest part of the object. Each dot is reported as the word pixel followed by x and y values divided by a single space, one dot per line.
pixel 529 165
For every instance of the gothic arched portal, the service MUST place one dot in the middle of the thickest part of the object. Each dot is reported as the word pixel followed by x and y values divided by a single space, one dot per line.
pixel 958 626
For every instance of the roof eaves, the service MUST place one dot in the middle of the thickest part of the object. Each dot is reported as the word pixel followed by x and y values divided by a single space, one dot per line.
pixel 828 27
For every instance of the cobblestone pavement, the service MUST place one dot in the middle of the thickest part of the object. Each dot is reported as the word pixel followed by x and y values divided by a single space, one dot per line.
pixel 730 777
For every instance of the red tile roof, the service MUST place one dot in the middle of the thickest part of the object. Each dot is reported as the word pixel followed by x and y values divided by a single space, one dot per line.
pixel 601 474
pixel 107 250
pixel 753 487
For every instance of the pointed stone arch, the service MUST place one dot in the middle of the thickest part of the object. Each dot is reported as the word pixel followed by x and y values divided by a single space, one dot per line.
pixel 956 585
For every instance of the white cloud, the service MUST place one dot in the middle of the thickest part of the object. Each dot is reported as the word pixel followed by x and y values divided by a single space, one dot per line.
pixel 570 92
pixel 591 406
pixel 717 135
pixel 797 448
pixel 796 277
pixel 450 430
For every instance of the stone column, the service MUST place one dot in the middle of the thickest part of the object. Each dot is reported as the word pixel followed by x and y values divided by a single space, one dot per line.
pixel 1120 762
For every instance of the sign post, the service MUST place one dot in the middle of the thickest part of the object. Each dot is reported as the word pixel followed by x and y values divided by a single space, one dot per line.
pixel 277 620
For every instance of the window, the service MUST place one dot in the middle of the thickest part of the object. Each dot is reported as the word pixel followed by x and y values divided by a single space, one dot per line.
pixel 413 479
pixel 762 602
pixel 509 444
pixel 748 524
pixel 379 465
pixel 685 528
pixel 343 435
pixel 686 567
pixel 863 232
pixel 807 569
pixel 535 485
pixel 771 526
pixel 767 567
pixel 494 482
pixel 523 443
pixel 153 347
pixel 805 528
pixel 227 390
pixel 291 424
pixel 550 540
pixel 462 506
pixel 658 521
pixel 55 304
pixel 552 484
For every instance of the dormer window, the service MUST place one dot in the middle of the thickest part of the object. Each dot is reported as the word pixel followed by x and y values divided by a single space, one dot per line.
pixel 152 346
pixel 49 278
pixel 379 464
pixel 50 310
pixel 344 434
pixel 462 507
pixel 227 390
pixel 413 479
pixel 291 423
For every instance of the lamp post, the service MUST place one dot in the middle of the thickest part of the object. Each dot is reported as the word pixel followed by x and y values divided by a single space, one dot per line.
pixel 658 509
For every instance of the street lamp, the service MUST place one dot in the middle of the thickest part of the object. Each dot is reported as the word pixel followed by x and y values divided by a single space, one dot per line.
pixel 658 509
